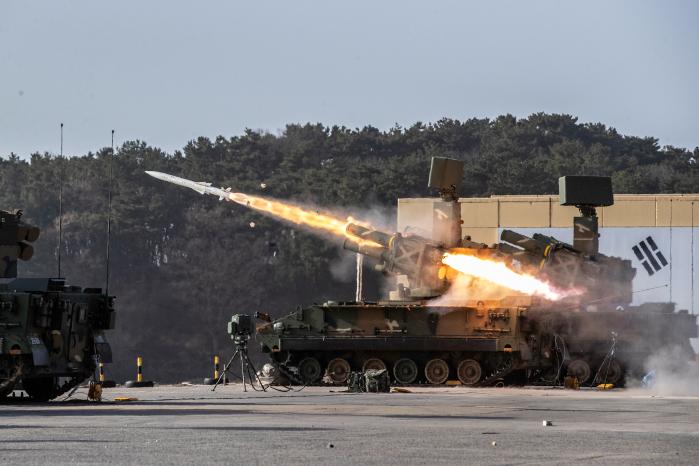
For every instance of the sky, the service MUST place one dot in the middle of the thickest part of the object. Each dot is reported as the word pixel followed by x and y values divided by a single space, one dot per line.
pixel 167 72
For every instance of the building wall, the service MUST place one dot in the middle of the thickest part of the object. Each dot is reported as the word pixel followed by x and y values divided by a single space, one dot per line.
pixel 670 221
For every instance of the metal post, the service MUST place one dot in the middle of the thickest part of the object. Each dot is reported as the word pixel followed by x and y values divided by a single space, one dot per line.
pixel 242 370
pixel 360 280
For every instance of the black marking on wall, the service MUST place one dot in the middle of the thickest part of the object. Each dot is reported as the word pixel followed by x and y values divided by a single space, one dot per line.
pixel 650 256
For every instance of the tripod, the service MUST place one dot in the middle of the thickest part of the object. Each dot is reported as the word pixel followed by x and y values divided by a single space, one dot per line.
pixel 608 359
pixel 246 365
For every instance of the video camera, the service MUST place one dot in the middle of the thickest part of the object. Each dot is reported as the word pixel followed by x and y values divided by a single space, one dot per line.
pixel 241 327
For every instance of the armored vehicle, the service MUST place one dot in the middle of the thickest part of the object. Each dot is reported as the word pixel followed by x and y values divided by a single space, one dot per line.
pixel 51 334
pixel 439 324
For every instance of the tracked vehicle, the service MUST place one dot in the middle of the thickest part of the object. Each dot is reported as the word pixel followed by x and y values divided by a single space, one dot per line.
pixel 51 334
pixel 438 325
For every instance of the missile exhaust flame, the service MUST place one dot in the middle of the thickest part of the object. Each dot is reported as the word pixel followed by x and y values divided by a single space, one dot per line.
pixel 282 210
pixel 296 214
pixel 500 274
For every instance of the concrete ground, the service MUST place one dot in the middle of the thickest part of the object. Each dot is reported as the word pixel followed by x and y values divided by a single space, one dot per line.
pixel 191 424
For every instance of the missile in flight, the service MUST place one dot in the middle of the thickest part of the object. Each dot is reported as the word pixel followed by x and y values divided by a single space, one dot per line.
pixel 201 187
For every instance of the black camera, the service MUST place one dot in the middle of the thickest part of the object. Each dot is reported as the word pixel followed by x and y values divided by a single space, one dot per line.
pixel 241 327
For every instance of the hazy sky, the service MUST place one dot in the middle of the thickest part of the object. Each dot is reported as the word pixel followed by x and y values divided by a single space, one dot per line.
pixel 168 71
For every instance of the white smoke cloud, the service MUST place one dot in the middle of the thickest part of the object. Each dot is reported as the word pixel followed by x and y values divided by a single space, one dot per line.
pixel 466 288
pixel 669 373
pixel 345 267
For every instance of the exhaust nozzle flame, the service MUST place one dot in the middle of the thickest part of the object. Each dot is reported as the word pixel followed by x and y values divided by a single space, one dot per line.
pixel 500 274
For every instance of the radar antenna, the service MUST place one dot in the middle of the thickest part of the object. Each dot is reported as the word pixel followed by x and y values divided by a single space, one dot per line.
pixel 60 204
pixel 109 214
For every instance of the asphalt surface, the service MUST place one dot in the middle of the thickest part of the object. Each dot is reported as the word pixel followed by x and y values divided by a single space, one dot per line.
pixel 191 424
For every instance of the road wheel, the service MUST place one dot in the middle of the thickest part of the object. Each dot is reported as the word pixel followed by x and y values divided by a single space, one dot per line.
pixel 610 373
pixel 469 372
pixel 437 371
pixel 338 370
pixel 580 369
pixel 373 363
pixel 405 371
pixel 40 388
pixel 309 370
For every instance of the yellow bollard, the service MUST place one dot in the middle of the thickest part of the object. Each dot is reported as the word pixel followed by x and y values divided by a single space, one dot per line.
pixel 217 373
pixel 139 382
pixel 103 380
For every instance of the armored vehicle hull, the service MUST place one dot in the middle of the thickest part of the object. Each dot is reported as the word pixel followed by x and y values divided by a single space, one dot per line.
pixel 484 343
pixel 413 341
pixel 51 335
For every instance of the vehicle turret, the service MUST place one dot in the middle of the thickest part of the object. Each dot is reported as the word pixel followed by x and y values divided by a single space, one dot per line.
pixel 15 239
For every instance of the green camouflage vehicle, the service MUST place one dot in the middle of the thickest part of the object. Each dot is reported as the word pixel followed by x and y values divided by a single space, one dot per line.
pixel 423 333
pixel 51 334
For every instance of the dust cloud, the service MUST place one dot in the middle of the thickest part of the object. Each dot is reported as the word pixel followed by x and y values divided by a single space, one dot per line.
pixel 669 372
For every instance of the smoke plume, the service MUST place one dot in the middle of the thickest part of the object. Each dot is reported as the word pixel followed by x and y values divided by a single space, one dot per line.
pixel 670 373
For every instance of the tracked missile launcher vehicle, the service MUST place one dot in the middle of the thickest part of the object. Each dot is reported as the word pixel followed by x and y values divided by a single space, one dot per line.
pixel 441 325
pixel 51 334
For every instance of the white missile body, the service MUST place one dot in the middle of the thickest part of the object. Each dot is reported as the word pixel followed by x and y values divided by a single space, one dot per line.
pixel 201 187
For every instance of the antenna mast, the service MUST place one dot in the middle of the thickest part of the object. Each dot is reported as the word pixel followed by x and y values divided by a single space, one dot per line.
pixel 109 213
pixel 60 204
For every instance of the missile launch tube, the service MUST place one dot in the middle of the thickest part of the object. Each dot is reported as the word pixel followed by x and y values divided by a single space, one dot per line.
pixel 367 249
pixel 509 249
pixel 368 234
pixel 372 243
pixel 522 241
pixel 409 256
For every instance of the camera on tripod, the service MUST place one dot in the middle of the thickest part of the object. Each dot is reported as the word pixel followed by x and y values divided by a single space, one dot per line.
pixel 241 327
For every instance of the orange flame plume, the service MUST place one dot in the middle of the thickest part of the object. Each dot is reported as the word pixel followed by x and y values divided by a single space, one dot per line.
pixel 297 215
pixel 500 274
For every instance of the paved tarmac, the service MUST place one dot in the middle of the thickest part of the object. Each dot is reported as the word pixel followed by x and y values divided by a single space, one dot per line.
pixel 458 425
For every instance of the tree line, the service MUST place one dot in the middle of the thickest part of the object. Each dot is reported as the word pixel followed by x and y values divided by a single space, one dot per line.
pixel 181 264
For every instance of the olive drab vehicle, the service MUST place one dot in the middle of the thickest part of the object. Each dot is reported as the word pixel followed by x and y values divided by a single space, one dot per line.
pixel 424 334
pixel 51 334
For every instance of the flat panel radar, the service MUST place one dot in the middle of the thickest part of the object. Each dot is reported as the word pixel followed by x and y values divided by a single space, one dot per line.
pixel 586 193
pixel 446 175
pixel 593 191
